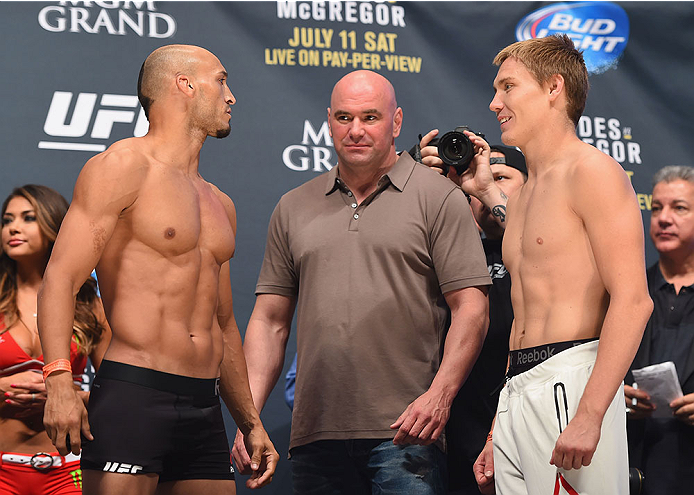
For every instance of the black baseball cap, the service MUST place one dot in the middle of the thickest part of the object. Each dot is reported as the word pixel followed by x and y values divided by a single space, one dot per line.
pixel 514 158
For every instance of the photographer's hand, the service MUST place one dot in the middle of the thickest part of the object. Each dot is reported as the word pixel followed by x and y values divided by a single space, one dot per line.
pixel 478 180
pixel 430 157
pixel 430 154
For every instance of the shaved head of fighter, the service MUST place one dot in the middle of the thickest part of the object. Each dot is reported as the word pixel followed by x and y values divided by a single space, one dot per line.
pixel 187 84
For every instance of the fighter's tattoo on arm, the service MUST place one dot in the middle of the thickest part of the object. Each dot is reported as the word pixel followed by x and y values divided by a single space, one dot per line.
pixel 500 212
pixel 503 196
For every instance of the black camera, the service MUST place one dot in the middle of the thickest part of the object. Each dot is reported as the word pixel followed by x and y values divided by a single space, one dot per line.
pixel 455 149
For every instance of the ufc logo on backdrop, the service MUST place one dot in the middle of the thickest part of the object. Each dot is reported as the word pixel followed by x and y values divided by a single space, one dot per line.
pixel 91 118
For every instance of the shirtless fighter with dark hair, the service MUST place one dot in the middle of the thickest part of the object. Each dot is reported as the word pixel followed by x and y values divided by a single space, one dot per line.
pixel 160 237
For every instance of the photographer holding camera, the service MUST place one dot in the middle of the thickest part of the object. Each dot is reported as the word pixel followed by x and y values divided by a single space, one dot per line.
pixel 475 405
pixel 465 157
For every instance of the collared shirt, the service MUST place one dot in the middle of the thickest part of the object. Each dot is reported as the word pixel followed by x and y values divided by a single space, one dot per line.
pixel 370 279
pixel 672 336
pixel 663 447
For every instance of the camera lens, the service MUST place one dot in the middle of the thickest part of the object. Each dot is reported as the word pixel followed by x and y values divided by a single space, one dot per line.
pixel 456 150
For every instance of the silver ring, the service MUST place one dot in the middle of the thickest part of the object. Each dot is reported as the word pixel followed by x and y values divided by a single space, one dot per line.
pixel 33 397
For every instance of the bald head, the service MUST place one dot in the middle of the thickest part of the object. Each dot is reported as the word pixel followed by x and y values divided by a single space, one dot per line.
pixel 364 121
pixel 359 82
pixel 160 68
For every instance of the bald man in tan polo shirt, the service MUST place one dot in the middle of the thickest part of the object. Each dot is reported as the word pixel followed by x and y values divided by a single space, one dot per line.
pixel 372 254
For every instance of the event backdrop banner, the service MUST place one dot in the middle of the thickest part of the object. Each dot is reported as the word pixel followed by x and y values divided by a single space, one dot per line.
pixel 70 75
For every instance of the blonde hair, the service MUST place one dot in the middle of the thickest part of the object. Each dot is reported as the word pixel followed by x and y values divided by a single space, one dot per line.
pixel 545 57
pixel 50 208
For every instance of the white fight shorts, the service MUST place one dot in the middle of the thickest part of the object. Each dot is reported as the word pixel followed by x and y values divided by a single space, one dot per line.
pixel 534 407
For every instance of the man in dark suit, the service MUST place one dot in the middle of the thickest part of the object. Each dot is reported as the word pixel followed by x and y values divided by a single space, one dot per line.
pixel 664 448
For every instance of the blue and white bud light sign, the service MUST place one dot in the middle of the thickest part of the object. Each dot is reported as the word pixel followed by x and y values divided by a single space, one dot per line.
pixel 599 29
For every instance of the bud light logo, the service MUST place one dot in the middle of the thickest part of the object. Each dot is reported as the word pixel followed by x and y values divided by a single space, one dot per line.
pixel 599 29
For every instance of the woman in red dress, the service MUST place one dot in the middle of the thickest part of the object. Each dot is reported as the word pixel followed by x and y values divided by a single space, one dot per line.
pixel 29 463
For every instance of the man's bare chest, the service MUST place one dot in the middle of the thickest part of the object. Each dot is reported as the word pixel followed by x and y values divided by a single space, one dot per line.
pixel 176 218
pixel 542 230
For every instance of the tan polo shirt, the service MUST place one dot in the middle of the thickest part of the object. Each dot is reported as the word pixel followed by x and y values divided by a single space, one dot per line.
pixel 370 280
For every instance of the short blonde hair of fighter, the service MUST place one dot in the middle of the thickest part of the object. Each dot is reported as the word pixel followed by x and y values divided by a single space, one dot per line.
pixel 545 57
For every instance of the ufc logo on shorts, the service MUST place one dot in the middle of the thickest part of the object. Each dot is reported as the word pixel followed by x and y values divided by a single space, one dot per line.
pixel 122 467
pixel 112 109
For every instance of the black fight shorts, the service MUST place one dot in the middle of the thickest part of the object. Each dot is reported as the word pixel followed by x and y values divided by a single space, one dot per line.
pixel 147 421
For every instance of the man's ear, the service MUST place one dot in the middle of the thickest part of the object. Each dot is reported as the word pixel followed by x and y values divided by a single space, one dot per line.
pixel 184 84
pixel 330 129
pixel 555 85
pixel 397 122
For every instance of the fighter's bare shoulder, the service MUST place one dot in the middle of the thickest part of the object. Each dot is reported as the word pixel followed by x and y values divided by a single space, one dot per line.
pixel 115 173
pixel 598 181
pixel 591 168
